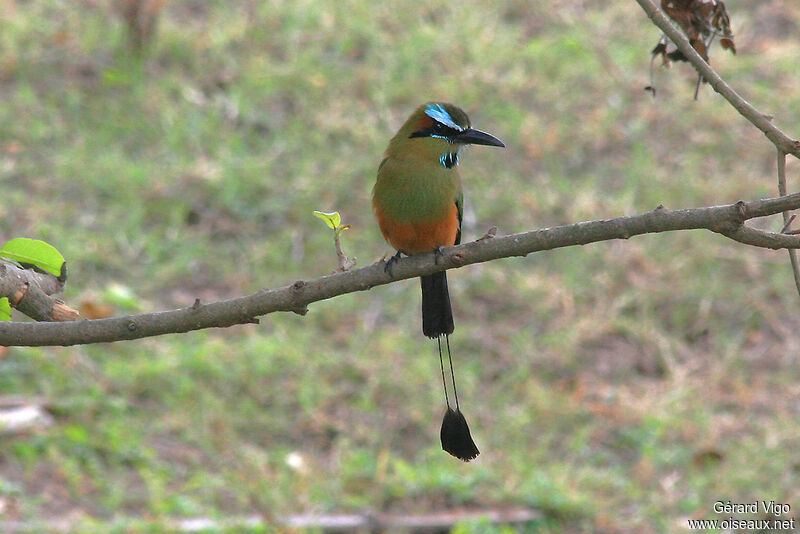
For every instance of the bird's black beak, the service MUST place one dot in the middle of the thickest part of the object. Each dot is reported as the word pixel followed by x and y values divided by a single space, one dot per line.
pixel 476 137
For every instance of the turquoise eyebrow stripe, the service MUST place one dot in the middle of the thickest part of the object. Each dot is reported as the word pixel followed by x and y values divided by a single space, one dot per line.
pixel 438 113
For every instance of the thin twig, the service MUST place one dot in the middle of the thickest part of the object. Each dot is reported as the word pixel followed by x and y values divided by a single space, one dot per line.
pixel 788 225
pixel 345 263
pixel 699 76
pixel 787 219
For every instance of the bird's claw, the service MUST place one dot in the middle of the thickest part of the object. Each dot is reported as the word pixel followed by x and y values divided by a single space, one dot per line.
pixel 389 267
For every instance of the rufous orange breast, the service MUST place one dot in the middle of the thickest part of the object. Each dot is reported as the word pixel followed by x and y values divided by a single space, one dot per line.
pixel 419 236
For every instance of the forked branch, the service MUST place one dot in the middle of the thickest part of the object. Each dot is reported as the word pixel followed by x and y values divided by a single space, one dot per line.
pixel 760 120
pixel 783 143
pixel 31 293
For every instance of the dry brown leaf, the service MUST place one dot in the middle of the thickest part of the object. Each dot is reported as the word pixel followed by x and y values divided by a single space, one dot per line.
pixel 701 21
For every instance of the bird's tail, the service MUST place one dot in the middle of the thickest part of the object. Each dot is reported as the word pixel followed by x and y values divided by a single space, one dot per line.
pixel 437 315
pixel 437 321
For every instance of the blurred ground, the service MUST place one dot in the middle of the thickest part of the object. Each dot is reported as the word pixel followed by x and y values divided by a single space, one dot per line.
pixel 617 387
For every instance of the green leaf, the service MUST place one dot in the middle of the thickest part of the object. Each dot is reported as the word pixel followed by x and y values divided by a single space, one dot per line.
pixel 332 219
pixel 34 252
pixel 5 309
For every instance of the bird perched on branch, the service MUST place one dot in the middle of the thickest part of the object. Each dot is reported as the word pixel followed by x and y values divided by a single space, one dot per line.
pixel 418 202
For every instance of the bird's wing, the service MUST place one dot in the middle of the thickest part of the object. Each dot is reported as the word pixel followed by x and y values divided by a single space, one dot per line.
pixel 460 206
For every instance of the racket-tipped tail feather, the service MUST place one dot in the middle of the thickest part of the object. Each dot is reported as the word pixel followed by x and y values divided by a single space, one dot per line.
pixel 456 438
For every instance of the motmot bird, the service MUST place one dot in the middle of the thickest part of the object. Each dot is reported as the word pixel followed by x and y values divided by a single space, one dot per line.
pixel 419 205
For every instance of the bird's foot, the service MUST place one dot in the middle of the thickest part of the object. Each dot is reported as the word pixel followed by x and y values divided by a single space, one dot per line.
pixel 389 267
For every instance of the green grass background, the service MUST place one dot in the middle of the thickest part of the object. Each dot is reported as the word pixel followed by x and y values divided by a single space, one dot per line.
pixel 616 387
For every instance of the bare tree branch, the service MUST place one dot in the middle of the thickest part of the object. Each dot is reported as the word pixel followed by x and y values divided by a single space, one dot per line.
pixel 727 220
pixel 328 524
pixel 760 120
pixel 31 293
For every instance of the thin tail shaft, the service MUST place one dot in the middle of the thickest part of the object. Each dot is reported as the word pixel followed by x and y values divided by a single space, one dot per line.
pixel 455 436
pixel 437 315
